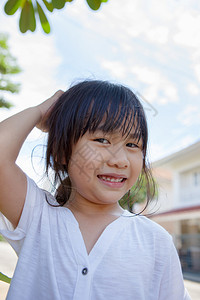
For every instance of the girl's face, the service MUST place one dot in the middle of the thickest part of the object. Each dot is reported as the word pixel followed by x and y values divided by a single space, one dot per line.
pixel 103 167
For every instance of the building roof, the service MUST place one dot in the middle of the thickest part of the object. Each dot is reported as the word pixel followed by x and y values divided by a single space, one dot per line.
pixel 177 214
pixel 179 210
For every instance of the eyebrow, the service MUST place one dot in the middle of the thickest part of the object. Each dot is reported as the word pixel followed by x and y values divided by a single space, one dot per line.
pixel 138 138
pixel 133 136
pixel 100 131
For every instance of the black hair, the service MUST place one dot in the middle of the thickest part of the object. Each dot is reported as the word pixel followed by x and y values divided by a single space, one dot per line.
pixel 82 108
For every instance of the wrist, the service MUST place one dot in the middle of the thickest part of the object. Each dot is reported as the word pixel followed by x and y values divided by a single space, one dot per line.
pixel 39 111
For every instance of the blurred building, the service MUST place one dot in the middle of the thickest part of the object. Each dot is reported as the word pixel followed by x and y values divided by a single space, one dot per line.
pixel 178 206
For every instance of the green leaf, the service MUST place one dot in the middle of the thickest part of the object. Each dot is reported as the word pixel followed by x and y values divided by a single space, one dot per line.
pixel 58 3
pixel 5 278
pixel 48 5
pixel 27 18
pixel 94 4
pixel 3 42
pixel 12 6
pixel 43 19
pixel 32 21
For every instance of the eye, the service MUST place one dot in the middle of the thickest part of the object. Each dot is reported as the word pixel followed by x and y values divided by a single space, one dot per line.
pixel 132 145
pixel 102 141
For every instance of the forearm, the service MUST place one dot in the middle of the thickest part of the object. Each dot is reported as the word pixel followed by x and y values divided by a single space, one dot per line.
pixel 13 132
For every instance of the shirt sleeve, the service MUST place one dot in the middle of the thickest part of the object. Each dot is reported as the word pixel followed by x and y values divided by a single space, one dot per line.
pixel 172 284
pixel 35 197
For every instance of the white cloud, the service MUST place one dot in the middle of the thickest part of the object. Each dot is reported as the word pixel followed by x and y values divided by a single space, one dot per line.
pixel 197 71
pixel 185 142
pixel 156 151
pixel 129 26
pixel 190 115
pixel 193 89
pixel 187 35
pixel 156 83
pixel 158 35
pixel 143 31
pixel 188 29
pixel 127 20
pixel 195 58
pixel 116 68
pixel 145 74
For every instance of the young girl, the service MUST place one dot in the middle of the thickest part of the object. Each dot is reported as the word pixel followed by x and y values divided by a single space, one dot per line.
pixel 80 244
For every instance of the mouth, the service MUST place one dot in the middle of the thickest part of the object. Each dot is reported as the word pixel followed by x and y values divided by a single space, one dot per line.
pixel 112 179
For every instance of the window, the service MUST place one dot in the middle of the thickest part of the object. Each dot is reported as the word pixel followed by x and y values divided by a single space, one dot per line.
pixel 196 178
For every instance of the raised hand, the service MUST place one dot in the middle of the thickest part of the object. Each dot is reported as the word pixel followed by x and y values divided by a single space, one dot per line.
pixel 45 109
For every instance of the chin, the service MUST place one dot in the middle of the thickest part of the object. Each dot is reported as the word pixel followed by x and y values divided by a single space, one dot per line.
pixel 108 201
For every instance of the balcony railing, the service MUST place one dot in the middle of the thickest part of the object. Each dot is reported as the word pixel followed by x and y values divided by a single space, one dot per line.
pixel 190 195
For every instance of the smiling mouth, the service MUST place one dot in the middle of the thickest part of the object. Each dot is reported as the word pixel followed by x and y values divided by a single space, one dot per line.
pixel 111 179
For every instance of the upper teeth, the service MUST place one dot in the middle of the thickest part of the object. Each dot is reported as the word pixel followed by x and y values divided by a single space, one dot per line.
pixel 111 179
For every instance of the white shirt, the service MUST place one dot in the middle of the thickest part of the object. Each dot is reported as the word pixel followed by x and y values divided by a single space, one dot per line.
pixel 134 258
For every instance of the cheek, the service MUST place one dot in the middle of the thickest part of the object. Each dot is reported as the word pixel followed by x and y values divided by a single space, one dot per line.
pixel 136 166
pixel 80 172
pixel 138 161
pixel 84 156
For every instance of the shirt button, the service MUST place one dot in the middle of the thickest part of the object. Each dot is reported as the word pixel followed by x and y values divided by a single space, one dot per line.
pixel 85 271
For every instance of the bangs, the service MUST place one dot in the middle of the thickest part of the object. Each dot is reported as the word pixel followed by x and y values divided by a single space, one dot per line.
pixel 111 109
pixel 124 119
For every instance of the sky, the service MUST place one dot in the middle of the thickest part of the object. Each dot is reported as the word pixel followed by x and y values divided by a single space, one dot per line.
pixel 153 47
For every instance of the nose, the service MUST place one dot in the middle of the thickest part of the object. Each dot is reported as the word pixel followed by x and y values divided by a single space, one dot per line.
pixel 118 159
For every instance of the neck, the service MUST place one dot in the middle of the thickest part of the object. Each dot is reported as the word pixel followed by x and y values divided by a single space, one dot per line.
pixel 87 207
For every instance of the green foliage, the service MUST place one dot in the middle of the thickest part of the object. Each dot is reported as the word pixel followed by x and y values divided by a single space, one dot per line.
pixel 30 9
pixel 8 67
pixel 27 18
pixel 140 192
pixel 5 278
pixel 2 276
pixel 43 19
pixel 94 4
pixel 2 238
